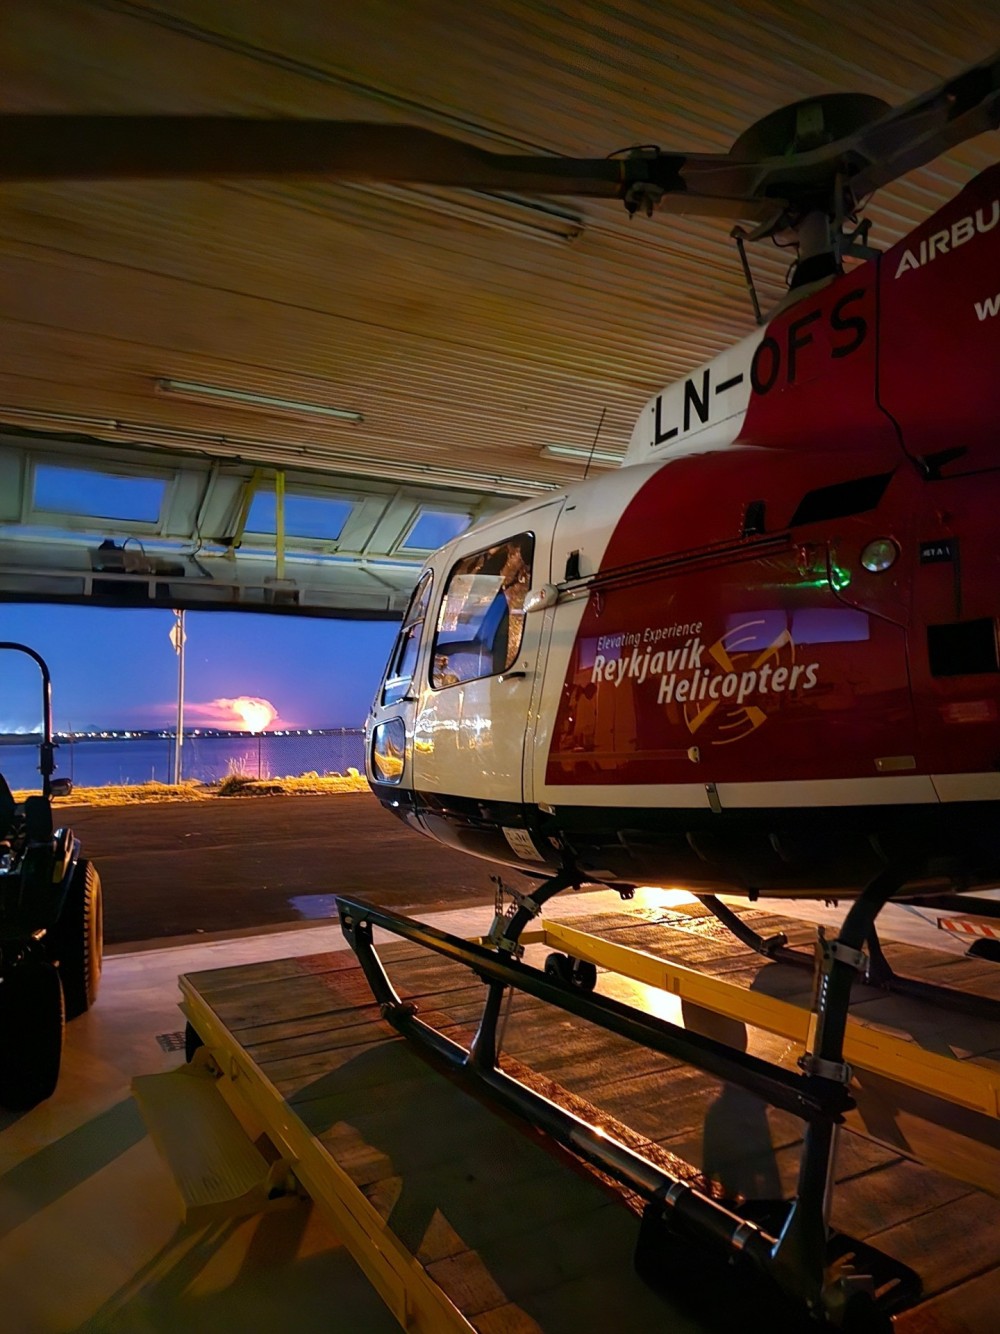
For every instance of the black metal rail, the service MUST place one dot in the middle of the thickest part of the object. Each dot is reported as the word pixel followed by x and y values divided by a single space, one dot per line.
pixel 807 1096
pixel 795 1262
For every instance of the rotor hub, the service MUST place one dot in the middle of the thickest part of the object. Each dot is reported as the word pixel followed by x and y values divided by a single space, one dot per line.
pixel 812 123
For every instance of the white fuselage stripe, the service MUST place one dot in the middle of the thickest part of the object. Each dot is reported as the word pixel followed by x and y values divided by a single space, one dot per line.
pixel 883 790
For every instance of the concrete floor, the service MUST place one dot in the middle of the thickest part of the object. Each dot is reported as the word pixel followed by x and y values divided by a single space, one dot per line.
pixel 90 1238
pixel 175 869
pixel 89 1232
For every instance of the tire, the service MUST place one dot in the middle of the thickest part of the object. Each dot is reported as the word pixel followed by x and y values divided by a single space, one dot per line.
pixel 575 973
pixel 32 1024
pixel 560 967
pixel 584 975
pixel 76 942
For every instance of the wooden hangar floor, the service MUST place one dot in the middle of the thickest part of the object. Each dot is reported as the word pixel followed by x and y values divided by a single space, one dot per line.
pixel 91 1232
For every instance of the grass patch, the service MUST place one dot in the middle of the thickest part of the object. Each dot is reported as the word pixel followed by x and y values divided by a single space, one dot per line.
pixel 233 785
pixel 239 784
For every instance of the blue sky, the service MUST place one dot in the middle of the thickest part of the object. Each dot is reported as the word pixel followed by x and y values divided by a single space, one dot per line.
pixel 115 668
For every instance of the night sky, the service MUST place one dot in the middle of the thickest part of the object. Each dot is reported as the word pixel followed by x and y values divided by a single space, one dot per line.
pixel 116 669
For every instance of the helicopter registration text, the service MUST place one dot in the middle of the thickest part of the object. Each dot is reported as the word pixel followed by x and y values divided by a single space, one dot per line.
pixel 779 357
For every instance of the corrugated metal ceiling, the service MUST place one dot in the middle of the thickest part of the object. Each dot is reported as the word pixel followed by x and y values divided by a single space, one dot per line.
pixel 468 338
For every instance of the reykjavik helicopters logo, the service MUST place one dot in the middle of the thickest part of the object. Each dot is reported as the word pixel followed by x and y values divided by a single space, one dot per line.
pixel 723 688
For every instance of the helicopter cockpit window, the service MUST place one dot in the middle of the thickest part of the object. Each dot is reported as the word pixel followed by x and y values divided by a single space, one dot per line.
pixel 482 613
pixel 403 661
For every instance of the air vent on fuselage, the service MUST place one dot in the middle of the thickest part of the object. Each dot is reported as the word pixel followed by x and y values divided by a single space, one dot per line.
pixel 963 648
pixel 843 498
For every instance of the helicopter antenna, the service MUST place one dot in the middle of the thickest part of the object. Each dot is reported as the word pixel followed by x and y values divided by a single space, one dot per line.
pixel 740 237
pixel 597 436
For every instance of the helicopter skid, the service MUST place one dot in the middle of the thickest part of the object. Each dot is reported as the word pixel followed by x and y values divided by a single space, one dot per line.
pixel 788 1247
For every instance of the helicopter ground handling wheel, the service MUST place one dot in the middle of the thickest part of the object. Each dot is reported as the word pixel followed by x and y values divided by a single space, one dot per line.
pixel 578 973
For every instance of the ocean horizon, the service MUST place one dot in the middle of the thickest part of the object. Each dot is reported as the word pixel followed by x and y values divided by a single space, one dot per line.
pixel 106 761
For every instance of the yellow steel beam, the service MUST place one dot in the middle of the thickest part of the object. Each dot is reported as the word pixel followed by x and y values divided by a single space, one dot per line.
pixel 865 1047
pixel 400 1280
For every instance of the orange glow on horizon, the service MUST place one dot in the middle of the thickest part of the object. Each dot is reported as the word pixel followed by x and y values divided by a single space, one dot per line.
pixel 255 714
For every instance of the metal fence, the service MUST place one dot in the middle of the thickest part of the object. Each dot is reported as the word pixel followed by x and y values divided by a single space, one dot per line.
pixel 268 756
pixel 101 761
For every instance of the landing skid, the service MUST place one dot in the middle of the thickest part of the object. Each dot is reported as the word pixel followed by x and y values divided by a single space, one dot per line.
pixel 876 971
pixel 789 1247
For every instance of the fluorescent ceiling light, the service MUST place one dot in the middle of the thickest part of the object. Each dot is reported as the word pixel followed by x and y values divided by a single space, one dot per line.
pixel 188 389
pixel 255 450
pixel 581 452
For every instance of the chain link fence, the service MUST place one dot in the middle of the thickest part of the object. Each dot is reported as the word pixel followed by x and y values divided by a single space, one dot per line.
pixel 266 755
pixel 103 761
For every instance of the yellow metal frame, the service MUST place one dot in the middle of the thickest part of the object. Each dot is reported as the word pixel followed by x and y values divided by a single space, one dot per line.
pixel 865 1047
pixel 397 1276
pixel 411 1295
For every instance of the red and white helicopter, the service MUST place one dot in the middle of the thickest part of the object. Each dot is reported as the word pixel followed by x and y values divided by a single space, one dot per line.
pixel 760 659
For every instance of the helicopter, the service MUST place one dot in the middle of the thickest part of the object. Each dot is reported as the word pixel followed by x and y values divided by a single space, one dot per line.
pixel 759 659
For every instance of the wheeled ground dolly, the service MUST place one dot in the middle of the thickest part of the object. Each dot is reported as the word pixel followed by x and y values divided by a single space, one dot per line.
pixel 787 1247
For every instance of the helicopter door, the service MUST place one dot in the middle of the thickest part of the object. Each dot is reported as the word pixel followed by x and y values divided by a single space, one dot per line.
pixel 391 719
pixel 469 733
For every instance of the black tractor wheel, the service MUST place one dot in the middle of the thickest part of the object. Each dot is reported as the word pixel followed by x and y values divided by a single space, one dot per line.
pixel 76 942
pixel 32 1023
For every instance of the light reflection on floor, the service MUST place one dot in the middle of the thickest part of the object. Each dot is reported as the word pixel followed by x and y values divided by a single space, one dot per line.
pixel 314 907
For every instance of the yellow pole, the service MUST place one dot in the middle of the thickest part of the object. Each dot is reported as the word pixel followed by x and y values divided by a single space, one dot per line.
pixel 279 525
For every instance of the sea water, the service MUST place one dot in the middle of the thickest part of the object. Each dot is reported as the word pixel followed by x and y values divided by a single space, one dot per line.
pixel 99 762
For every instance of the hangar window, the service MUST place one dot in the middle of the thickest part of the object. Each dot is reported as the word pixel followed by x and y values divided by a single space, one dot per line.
pixel 482 613
pixel 321 518
pixel 98 495
pixel 403 661
pixel 433 528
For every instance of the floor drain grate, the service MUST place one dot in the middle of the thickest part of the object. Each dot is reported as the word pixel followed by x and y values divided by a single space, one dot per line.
pixel 171 1041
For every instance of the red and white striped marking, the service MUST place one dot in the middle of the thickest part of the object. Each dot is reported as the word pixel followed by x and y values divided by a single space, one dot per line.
pixel 969 926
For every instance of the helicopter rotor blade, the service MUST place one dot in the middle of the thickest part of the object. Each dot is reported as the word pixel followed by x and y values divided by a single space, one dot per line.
pixel 67 147
pixel 919 131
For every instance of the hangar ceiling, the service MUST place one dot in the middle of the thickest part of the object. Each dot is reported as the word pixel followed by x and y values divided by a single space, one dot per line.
pixel 462 333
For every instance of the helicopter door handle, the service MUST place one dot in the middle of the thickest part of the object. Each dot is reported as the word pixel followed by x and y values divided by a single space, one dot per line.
pixel 508 676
